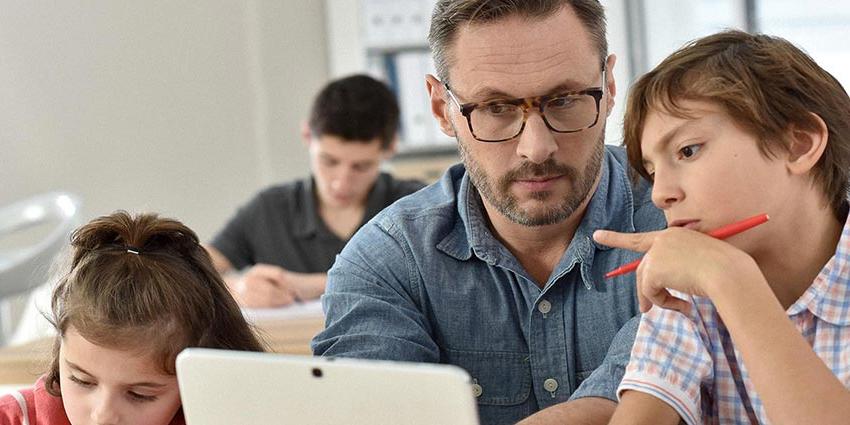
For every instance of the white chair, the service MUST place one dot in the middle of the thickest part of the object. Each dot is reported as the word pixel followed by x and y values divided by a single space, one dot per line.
pixel 25 267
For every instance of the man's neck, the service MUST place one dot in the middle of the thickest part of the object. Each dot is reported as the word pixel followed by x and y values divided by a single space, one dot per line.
pixel 795 258
pixel 537 248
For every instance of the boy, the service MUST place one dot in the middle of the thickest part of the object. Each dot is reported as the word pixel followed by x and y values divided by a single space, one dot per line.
pixel 286 238
pixel 756 328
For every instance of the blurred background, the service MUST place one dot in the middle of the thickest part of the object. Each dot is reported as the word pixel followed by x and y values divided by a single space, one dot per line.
pixel 187 108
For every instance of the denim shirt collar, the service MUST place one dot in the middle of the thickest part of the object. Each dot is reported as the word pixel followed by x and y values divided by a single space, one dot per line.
pixel 458 242
pixel 611 207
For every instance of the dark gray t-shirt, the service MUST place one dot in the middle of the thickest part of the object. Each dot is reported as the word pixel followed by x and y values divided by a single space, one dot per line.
pixel 282 226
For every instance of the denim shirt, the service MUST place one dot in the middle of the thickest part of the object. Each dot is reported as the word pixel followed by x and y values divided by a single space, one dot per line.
pixel 426 281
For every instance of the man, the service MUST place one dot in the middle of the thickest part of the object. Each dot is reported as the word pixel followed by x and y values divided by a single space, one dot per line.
pixel 493 268
pixel 287 236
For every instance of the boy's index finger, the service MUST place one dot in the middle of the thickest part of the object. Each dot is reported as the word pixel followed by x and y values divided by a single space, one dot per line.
pixel 638 242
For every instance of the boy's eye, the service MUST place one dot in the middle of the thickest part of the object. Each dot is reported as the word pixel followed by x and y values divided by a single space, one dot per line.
pixel 361 167
pixel 80 382
pixel 689 151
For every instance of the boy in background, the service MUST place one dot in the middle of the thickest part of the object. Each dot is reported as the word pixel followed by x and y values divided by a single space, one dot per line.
pixel 286 237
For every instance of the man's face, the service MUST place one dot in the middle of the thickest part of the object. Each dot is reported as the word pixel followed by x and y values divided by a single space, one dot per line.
pixel 344 170
pixel 540 177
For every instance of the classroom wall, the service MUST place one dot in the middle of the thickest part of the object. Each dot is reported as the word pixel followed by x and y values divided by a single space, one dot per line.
pixel 185 108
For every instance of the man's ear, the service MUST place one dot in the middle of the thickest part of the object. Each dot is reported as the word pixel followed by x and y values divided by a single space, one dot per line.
pixel 806 145
pixel 306 134
pixel 439 107
pixel 610 84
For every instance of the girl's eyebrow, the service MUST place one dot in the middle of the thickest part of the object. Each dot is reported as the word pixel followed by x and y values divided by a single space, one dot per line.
pixel 135 384
pixel 77 367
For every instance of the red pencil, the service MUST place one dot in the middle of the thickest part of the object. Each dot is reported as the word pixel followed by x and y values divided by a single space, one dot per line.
pixel 718 233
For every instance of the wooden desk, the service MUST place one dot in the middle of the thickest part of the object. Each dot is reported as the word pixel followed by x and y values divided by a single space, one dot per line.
pixel 25 363
pixel 290 336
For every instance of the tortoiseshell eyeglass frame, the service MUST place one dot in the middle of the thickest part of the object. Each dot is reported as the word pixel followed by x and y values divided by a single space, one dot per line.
pixel 527 103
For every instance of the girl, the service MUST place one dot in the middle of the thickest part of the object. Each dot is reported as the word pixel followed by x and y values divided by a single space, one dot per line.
pixel 138 290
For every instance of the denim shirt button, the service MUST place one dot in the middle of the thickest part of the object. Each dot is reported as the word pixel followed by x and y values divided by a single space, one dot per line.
pixel 550 385
pixel 544 306
pixel 477 390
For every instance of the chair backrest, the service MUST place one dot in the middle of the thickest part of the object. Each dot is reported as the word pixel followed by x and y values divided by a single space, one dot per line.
pixel 26 267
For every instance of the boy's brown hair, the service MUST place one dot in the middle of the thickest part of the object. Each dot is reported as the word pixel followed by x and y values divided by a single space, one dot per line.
pixel 144 284
pixel 357 108
pixel 766 84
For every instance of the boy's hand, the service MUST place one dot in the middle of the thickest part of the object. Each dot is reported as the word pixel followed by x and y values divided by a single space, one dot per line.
pixel 264 286
pixel 680 259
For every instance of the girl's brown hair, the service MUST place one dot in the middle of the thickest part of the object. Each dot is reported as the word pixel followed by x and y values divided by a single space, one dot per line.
pixel 766 84
pixel 144 283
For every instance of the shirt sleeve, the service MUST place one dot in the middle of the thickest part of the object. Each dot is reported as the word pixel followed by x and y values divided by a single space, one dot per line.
pixel 407 187
pixel 234 240
pixel 371 302
pixel 401 188
pixel 670 362
pixel 10 410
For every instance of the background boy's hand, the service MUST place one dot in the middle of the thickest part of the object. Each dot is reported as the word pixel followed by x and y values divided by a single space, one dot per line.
pixel 680 259
pixel 263 286
pixel 268 285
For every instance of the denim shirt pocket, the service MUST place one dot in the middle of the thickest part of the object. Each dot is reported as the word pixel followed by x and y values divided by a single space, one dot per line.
pixel 502 378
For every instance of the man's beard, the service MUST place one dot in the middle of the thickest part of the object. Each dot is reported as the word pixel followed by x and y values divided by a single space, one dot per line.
pixel 499 195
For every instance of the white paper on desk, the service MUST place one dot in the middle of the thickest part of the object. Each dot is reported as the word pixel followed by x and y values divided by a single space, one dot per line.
pixel 308 309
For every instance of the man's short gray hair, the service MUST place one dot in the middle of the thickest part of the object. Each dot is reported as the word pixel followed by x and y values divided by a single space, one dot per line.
pixel 449 15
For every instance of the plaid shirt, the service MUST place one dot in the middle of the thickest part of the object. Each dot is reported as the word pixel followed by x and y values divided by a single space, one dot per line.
pixel 690 362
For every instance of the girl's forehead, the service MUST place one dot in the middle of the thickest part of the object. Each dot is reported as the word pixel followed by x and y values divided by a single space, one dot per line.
pixel 120 364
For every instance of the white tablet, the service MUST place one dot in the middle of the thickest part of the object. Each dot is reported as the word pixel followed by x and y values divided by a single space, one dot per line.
pixel 220 387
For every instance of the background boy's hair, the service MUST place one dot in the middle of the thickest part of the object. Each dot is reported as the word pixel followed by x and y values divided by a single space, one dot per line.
pixel 356 108
pixel 157 302
pixel 765 84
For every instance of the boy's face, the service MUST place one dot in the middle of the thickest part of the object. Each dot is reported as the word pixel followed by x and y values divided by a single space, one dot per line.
pixel 708 171
pixel 107 386
pixel 344 170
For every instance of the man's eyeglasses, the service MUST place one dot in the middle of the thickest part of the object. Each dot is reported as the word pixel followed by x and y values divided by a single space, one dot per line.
pixel 503 120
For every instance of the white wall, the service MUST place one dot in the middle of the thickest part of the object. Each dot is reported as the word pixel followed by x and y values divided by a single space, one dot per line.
pixel 669 24
pixel 185 108
pixel 618 44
